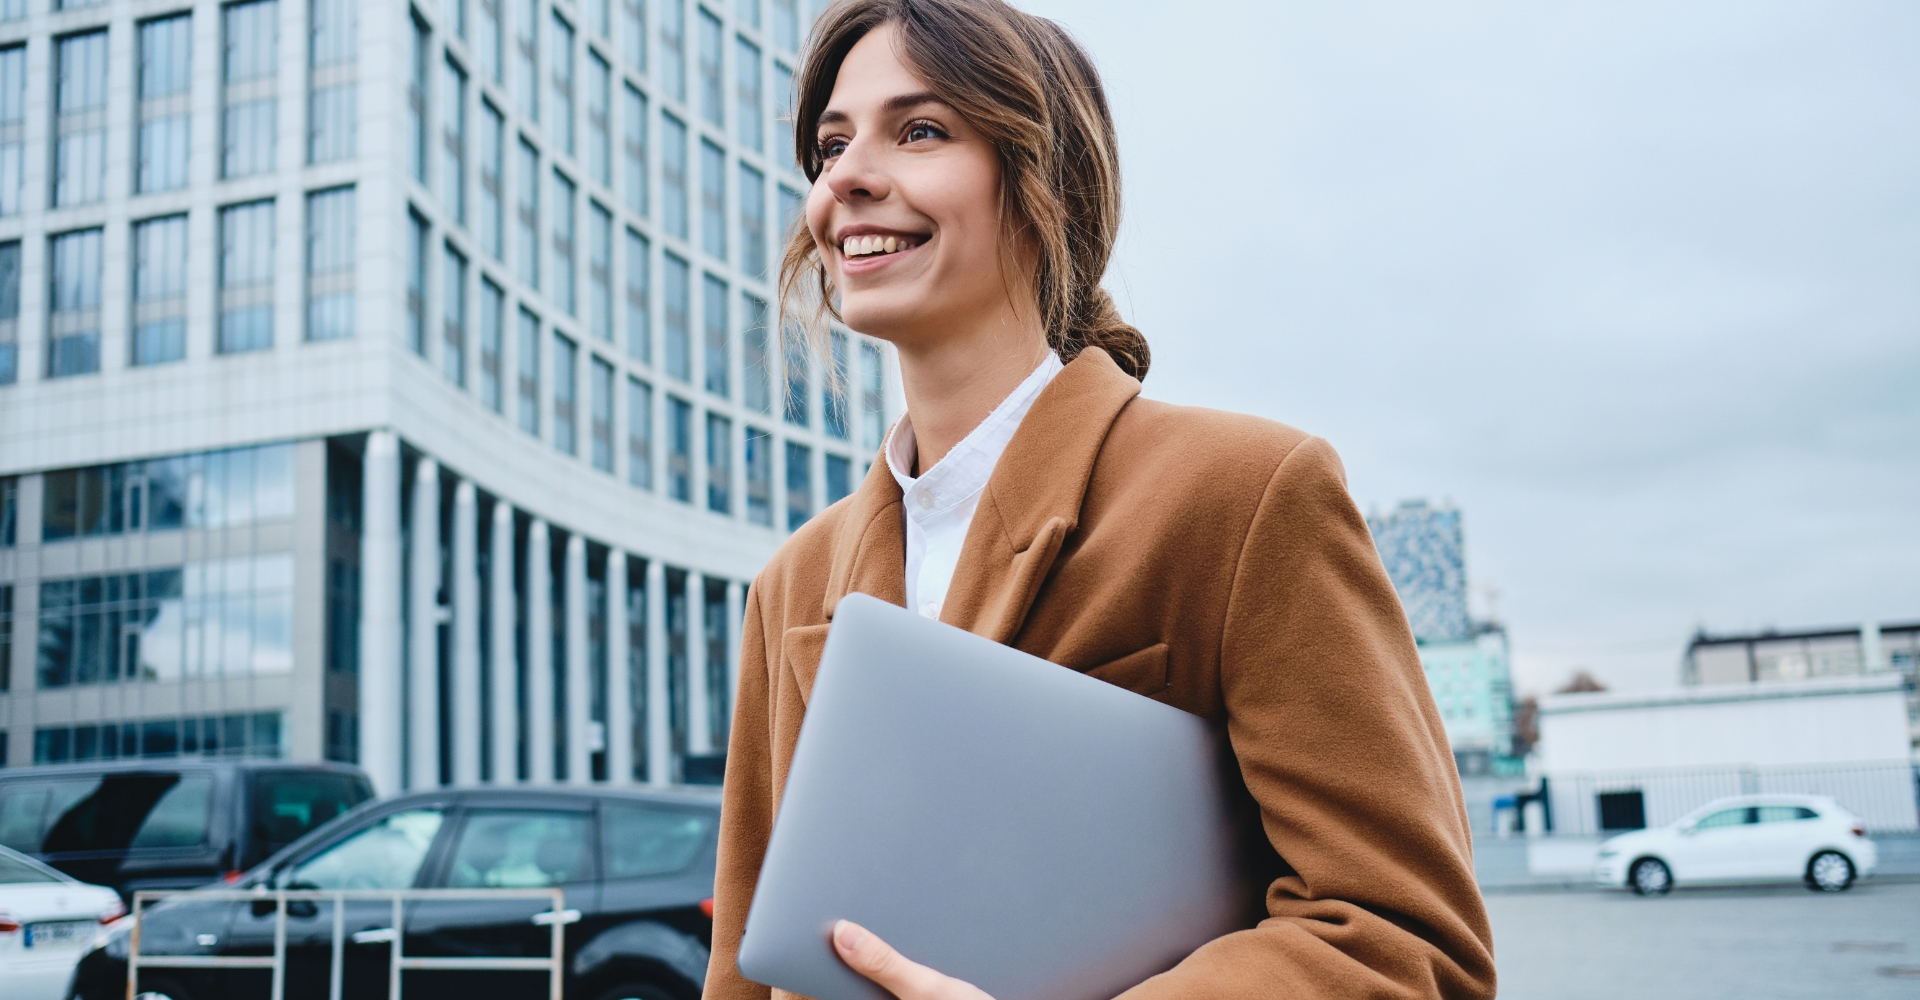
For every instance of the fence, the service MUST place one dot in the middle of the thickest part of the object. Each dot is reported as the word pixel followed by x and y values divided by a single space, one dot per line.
pixel 1881 793
pixel 555 917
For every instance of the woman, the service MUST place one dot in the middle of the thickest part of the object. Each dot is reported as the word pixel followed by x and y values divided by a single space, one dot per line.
pixel 965 203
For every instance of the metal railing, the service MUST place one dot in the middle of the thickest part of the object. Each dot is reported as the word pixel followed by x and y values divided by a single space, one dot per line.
pixel 555 916
pixel 1882 793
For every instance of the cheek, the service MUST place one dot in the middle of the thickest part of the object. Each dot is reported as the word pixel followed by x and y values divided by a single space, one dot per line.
pixel 819 217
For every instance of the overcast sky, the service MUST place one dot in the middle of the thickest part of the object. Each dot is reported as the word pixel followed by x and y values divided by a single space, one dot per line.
pixel 1635 285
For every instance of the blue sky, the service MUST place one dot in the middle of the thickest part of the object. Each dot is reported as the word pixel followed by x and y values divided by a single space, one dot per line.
pixel 1636 285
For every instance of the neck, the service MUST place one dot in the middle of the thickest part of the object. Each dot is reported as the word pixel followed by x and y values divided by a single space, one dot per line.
pixel 952 382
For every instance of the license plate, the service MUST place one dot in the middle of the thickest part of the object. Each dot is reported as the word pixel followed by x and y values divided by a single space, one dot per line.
pixel 59 932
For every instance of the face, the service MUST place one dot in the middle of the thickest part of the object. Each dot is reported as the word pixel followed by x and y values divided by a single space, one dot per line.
pixel 906 212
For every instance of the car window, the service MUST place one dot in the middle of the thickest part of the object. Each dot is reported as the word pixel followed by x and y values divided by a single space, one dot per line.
pixel 1725 817
pixel 386 855
pixel 1786 814
pixel 521 849
pixel 27 810
pixel 118 811
pixel 287 804
pixel 643 840
pixel 14 871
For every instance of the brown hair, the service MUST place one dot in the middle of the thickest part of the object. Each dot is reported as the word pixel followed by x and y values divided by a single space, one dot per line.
pixel 1033 93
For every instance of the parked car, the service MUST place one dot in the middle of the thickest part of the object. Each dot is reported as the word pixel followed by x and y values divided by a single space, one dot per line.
pixel 1746 838
pixel 637 866
pixel 169 824
pixel 47 921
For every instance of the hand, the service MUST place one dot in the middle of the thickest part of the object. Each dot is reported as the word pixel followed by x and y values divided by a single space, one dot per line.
pixel 876 960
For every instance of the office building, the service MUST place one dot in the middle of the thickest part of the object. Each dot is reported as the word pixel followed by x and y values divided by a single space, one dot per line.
pixel 398 383
pixel 1769 657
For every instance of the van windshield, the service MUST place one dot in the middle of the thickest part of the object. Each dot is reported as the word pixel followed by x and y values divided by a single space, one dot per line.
pixel 110 812
pixel 287 804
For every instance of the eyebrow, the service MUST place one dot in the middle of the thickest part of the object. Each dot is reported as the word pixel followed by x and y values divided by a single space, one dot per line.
pixel 892 105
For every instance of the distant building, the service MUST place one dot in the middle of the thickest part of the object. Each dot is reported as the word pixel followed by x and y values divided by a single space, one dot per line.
pixel 1467 662
pixel 1772 656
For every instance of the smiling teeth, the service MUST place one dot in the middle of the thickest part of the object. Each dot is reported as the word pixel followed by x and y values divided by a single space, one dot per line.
pixel 868 246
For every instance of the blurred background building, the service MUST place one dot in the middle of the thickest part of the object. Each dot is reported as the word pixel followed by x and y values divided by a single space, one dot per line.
pixel 1771 656
pixel 1466 661
pixel 396 383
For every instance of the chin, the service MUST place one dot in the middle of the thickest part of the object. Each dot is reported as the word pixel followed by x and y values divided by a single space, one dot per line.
pixel 885 315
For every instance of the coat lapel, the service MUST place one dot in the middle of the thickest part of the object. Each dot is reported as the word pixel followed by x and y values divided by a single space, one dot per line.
pixel 869 557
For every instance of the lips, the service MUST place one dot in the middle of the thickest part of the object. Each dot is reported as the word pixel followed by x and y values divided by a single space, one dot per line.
pixel 874 246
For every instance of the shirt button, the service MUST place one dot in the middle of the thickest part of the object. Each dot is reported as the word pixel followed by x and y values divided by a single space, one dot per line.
pixel 931 609
pixel 925 500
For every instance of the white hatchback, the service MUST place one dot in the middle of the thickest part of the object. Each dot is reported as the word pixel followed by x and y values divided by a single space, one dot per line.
pixel 47 921
pixel 1745 838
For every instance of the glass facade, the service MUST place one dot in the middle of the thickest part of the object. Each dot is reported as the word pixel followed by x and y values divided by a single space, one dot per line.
pixel 417 230
pixel 600 272
pixel 218 489
pixel 13 127
pixel 73 319
pixel 639 298
pixel 165 106
pixel 639 433
pixel 160 290
pixel 493 317
pixel 453 317
pixel 246 277
pixel 714 312
pixel 333 95
pixel 453 139
pixel 80 119
pixel 600 386
pixel 527 353
pixel 247 734
pixel 249 87
pixel 332 257
pixel 9 312
pixel 566 393
pixel 719 464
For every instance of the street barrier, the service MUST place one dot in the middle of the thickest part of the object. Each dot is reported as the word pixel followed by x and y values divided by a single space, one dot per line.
pixel 1881 793
pixel 556 916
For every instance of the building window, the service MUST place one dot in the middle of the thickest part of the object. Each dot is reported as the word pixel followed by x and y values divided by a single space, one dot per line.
pixel 673 49
pixel 9 511
pixel 246 277
pixel 453 325
pixel 566 392
pixel 453 134
pixel 600 271
pixel 527 357
pixel 713 200
pixel 218 489
pixel 748 11
pixel 746 95
pixel 753 222
pixel 332 258
pixel 600 428
pixel 719 464
pixel 599 123
pixel 799 485
pixel 13 127
pixel 249 72
pixel 679 310
pixel 633 149
pixel 786 24
pixel 421 64
pixel 453 14
pixel 486 41
pixel 256 734
pixel 709 65
pixel 165 107
pixel 493 154
pixel 527 240
pixel 639 298
pixel 563 239
pixel 793 206
pixel 561 60
pixel 6 630
pixel 526 57
pixel 493 310
pixel 673 175
pixel 639 433
pixel 759 461
pixel 756 364
pixel 633 34
pixel 714 312
pixel 73 321
pixel 839 477
pixel 798 377
pixel 833 401
pixel 784 153
pixel 230 617
pixel 679 449
pixel 9 322
pixel 333 95
pixel 160 290
pixel 873 404
pixel 80 119
pixel 416 283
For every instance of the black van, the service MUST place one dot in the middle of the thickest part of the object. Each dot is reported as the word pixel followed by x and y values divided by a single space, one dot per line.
pixel 169 824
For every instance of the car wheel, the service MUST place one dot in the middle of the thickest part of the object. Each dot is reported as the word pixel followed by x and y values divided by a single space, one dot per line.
pixel 161 990
pixel 637 991
pixel 1650 877
pixel 1829 871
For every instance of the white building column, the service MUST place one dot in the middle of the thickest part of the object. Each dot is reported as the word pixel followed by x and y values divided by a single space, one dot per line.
pixel 539 656
pixel 423 630
pixel 465 676
pixel 579 708
pixel 699 726
pixel 619 730
pixel 380 683
pixel 736 611
pixel 505 672
pixel 659 720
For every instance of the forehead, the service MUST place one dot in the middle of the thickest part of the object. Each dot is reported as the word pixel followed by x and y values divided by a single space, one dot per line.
pixel 872 72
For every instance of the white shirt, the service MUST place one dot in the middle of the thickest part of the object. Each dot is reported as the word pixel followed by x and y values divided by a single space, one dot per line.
pixel 940 504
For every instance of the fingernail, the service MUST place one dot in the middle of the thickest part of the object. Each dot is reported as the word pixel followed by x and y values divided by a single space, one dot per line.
pixel 848 935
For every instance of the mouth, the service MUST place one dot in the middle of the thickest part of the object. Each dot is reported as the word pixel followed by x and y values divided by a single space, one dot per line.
pixel 874 245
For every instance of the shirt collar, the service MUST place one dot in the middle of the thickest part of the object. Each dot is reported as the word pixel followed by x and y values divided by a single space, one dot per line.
pixel 963 472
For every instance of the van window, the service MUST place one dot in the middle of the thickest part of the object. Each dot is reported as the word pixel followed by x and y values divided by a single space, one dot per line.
pixel 649 841
pixel 522 849
pixel 386 855
pixel 287 804
pixel 106 813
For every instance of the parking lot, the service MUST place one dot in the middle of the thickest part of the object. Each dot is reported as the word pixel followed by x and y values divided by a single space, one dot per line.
pixel 1707 944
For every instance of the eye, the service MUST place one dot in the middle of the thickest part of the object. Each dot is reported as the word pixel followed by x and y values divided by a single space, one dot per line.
pixel 830 147
pixel 922 131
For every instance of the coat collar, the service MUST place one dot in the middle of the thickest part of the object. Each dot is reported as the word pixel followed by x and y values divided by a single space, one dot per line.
pixel 1030 505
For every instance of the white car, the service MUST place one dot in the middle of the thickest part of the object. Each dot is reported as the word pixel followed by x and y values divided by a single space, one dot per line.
pixel 1745 838
pixel 47 921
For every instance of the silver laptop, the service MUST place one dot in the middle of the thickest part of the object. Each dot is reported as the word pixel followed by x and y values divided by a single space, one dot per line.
pixel 1037 832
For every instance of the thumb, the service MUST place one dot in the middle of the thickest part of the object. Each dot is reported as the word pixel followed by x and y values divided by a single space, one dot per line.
pixel 875 959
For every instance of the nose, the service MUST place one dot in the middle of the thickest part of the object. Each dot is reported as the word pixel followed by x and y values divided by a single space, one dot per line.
pixel 857 174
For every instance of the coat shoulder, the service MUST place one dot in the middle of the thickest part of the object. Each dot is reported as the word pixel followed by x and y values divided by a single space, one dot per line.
pixel 795 578
pixel 1215 445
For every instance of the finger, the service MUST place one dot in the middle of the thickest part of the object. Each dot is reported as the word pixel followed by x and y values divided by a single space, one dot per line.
pixel 876 960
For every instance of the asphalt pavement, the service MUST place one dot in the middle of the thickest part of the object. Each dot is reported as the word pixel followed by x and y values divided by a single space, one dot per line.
pixel 1750 943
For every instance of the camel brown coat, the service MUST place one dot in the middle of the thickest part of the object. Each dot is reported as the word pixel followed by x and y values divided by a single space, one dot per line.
pixel 1214 562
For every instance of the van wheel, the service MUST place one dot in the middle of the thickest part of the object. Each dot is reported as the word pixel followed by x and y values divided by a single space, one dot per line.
pixel 1829 871
pixel 637 991
pixel 1650 877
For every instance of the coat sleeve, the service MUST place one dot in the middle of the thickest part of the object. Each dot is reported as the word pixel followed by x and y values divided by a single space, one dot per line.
pixel 1341 746
pixel 746 811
